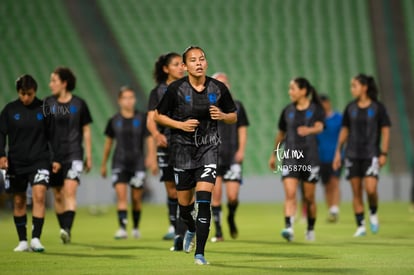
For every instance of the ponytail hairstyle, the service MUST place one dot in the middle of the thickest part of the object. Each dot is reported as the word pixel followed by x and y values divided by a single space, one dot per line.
pixel 369 82
pixel 163 60
pixel 311 92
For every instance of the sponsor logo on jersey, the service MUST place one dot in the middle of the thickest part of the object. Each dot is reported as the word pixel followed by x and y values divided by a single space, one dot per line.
pixel 16 117
pixel 39 116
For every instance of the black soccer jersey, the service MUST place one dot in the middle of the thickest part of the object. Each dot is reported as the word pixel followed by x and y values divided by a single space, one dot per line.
pixel 26 131
pixel 299 149
pixel 154 99
pixel 229 135
pixel 67 124
pixel 364 126
pixel 129 134
pixel 190 150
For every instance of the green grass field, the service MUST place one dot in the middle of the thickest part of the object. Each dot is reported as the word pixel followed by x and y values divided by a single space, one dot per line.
pixel 259 249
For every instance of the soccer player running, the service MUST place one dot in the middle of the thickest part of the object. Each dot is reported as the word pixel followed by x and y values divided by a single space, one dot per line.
pixel 327 141
pixel 70 118
pixel 299 124
pixel 191 107
pixel 231 154
pixel 168 68
pixel 366 132
pixel 23 127
pixel 128 129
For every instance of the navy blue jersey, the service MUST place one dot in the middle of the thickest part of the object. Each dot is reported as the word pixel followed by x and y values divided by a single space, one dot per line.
pixel 190 150
pixel 129 135
pixel 289 121
pixel 67 121
pixel 364 125
pixel 229 135
pixel 24 130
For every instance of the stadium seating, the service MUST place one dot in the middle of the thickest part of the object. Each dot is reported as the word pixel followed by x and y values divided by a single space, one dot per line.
pixel 37 36
pixel 260 44
pixel 408 7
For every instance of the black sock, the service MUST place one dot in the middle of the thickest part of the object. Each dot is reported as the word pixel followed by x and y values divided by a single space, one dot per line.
pixel 187 217
pixel 37 227
pixel 122 218
pixel 311 223
pixel 136 216
pixel 217 220
pixel 359 217
pixel 373 209
pixel 69 218
pixel 288 222
pixel 181 227
pixel 232 206
pixel 203 200
pixel 61 219
pixel 172 211
pixel 20 223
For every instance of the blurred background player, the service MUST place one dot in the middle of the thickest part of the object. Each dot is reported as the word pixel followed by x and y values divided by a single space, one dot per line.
pixel 299 124
pixel 167 69
pixel 71 119
pixel 327 142
pixel 366 132
pixel 23 127
pixel 128 129
pixel 191 107
pixel 231 154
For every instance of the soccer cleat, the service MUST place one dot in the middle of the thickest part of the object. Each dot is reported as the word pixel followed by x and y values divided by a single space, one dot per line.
pixel 287 233
pixel 188 241
pixel 310 235
pixel 374 224
pixel 135 234
pixel 178 244
pixel 200 260
pixel 360 232
pixel 233 228
pixel 121 234
pixel 64 236
pixel 217 239
pixel 36 246
pixel 22 246
pixel 170 235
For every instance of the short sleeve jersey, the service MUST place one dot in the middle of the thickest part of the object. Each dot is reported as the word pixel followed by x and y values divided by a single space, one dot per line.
pixel 190 150
pixel 364 125
pixel 68 120
pixel 229 136
pixel 129 135
pixel 328 139
pixel 24 130
pixel 154 99
pixel 289 121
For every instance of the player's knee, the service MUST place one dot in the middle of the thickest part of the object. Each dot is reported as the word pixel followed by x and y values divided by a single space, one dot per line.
pixel 19 202
pixel 186 212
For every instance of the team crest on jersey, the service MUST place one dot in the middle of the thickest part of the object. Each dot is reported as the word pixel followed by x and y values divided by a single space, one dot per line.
pixel 370 112
pixel 212 98
pixel 39 116
pixel 136 123
pixel 354 113
pixel 291 115
pixel 309 114
pixel 73 109
pixel 16 117
pixel 187 98
pixel 118 123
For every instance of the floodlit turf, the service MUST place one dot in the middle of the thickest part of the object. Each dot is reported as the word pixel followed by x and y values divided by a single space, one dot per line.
pixel 259 249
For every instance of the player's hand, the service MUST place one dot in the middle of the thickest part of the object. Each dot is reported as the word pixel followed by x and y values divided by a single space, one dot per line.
pixel 272 162
pixel 56 167
pixel 304 131
pixel 239 156
pixel 161 140
pixel 103 170
pixel 189 125
pixel 216 113
pixel 382 160
pixel 336 164
pixel 4 163
pixel 88 165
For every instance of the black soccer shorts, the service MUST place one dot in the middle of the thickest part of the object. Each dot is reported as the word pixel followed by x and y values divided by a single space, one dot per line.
pixel 186 179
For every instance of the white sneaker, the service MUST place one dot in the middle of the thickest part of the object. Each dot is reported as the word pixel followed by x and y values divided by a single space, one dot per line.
pixel 135 234
pixel 360 232
pixel 36 246
pixel 121 234
pixel 288 234
pixel 64 236
pixel 374 224
pixel 23 246
pixel 310 235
